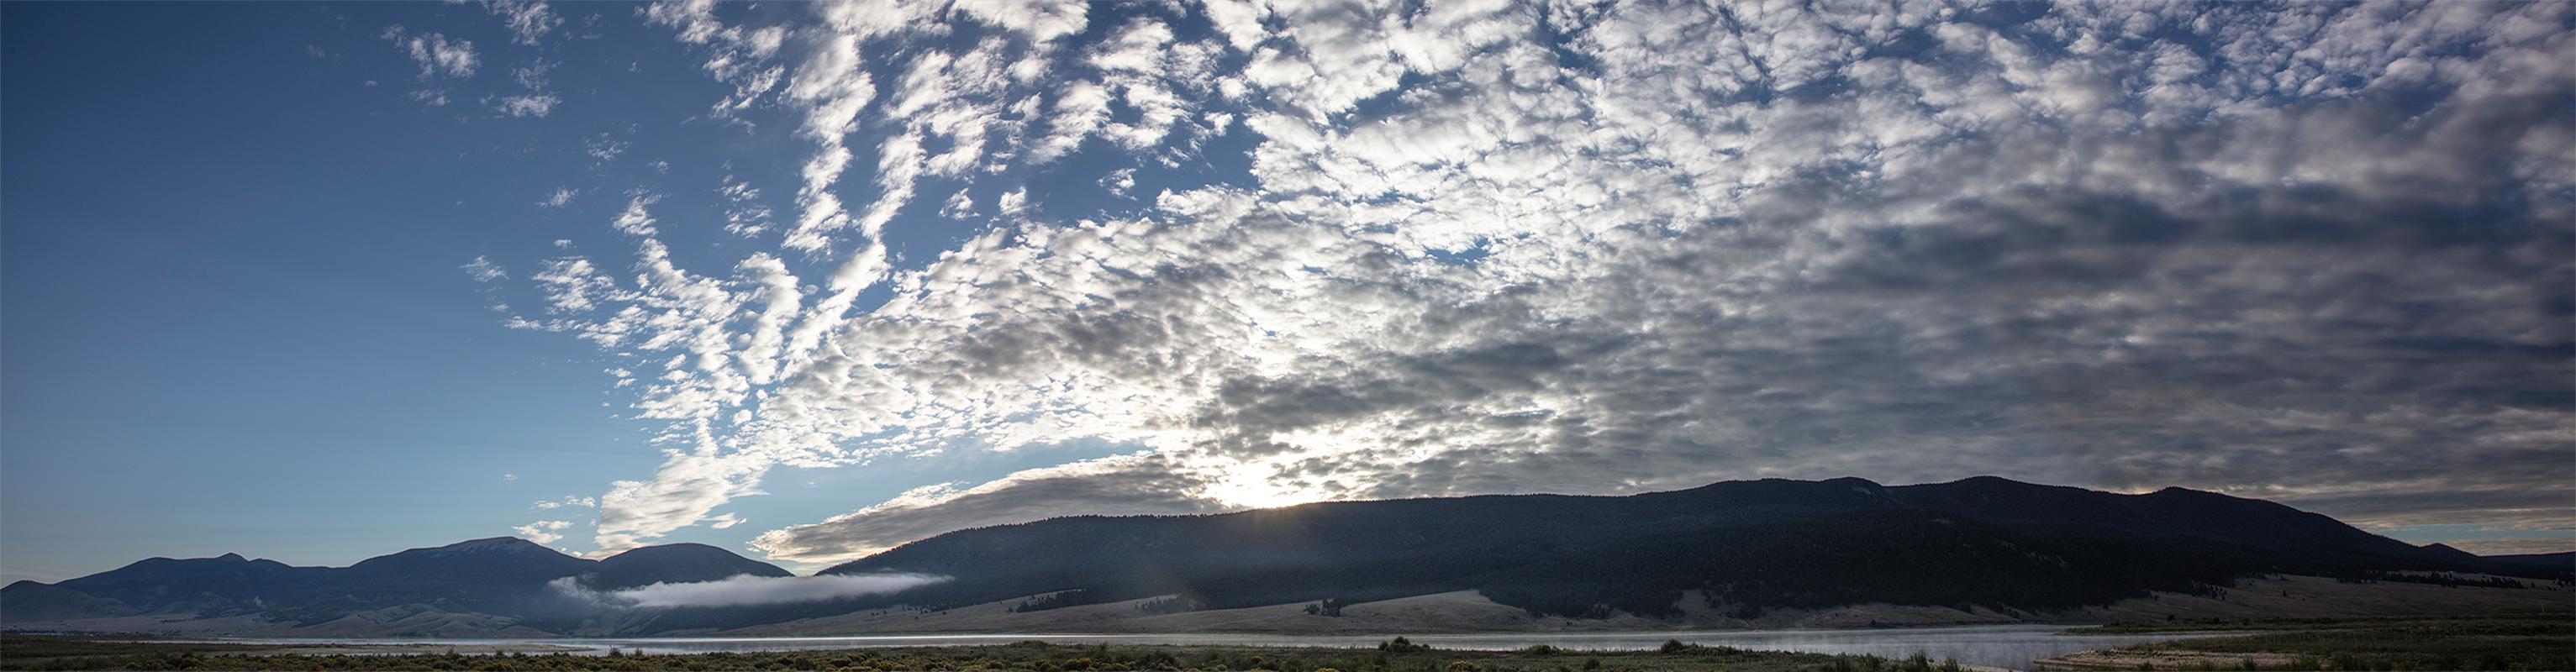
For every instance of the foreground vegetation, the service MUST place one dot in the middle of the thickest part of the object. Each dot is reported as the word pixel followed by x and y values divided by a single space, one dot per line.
pixel 2505 642
pixel 53 653
pixel 2233 625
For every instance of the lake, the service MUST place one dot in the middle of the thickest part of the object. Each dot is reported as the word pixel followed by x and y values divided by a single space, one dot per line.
pixel 2009 646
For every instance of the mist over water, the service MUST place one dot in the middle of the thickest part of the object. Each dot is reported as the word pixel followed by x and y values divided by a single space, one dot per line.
pixel 748 590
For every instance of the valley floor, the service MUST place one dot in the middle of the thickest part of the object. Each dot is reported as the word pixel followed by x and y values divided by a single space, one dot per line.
pixel 2539 641
pixel 2510 642
pixel 2544 641
pixel 1454 612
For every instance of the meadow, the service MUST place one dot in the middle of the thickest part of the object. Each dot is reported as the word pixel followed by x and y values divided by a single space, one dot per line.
pixel 2504 642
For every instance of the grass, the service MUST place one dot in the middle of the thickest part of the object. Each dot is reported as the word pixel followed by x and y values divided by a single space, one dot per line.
pixel 2263 624
pixel 2505 642
pixel 53 653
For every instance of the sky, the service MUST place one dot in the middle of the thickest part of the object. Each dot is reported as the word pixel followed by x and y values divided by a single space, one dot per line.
pixel 317 282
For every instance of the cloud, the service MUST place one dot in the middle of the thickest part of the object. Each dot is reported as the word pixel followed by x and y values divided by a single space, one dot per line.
pixel 573 285
pixel 483 270
pixel 559 199
pixel 527 106
pixel 436 55
pixel 543 531
pixel 1042 21
pixel 1128 485
pixel 528 19
pixel 568 501
pixel 747 214
pixel 748 590
pixel 537 102
pixel 2313 253
pixel 686 490
pixel 604 149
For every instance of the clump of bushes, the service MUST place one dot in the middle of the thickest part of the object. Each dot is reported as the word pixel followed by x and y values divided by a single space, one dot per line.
pixel 1401 644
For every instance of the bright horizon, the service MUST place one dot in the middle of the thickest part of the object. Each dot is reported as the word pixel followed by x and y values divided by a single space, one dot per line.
pixel 319 282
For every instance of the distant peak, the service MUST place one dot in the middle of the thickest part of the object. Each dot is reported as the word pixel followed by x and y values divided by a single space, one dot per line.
pixel 494 544
pixel 1983 484
pixel 681 546
pixel 232 557
pixel 2446 549
pixel 673 551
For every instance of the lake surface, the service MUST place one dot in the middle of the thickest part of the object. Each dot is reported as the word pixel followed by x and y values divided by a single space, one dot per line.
pixel 2009 646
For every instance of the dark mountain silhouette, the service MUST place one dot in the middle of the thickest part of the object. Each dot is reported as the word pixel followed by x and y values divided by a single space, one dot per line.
pixel 2447 550
pixel 1745 546
pixel 676 563
pixel 500 576
pixel 1740 547
pixel 32 601
pixel 164 584
pixel 499 559
pixel 2553 561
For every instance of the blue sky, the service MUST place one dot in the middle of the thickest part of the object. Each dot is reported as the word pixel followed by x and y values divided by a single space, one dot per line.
pixel 317 282
pixel 235 315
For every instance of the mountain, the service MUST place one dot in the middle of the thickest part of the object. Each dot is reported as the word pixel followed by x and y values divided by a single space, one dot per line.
pixel 500 559
pixel 32 601
pixel 503 577
pixel 1744 547
pixel 2553 561
pixel 677 563
pixel 1734 549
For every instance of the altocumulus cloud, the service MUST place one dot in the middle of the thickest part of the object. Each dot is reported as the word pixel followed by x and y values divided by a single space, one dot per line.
pixel 748 590
pixel 2314 252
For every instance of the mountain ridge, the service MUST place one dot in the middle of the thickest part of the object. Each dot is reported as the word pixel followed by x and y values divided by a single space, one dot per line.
pixel 1735 548
pixel 494 575
pixel 2191 538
